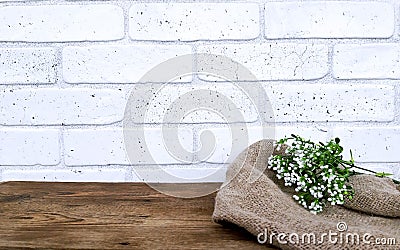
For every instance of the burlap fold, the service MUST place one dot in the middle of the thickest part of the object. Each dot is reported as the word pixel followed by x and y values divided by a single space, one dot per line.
pixel 253 198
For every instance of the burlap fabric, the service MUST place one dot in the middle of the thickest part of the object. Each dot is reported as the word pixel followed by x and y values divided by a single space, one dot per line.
pixel 253 198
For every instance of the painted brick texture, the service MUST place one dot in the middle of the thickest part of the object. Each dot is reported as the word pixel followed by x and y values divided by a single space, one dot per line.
pixel 74 74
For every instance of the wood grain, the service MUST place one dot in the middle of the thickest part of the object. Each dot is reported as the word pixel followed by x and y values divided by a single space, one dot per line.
pixel 111 216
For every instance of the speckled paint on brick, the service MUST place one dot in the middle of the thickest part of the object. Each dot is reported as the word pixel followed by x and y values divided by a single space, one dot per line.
pixel 67 69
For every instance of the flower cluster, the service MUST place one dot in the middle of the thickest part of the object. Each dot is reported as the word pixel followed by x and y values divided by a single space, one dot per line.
pixel 316 171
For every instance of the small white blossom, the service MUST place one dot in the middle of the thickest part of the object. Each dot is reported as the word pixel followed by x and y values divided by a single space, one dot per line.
pixel 324 185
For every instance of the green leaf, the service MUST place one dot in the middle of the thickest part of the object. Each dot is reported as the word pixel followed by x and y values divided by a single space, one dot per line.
pixel 351 157
pixel 313 156
pixel 382 174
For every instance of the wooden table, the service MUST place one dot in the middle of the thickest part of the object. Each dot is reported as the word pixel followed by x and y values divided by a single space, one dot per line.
pixel 110 215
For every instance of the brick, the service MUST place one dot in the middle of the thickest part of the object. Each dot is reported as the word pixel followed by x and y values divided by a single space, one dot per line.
pixel 29 146
pixel 94 147
pixel 223 152
pixel 322 19
pixel 333 102
pixel 370 144
pixel 193 21
pixel 105 146
pixel 124 64
pixel 159 145
pixel 199 173
pixel 195 103
pixel 52 106
pixel 27 65
pixel 59 23
pixel 366 61
pixel 77 174
pixel 283 61
pixel 227 142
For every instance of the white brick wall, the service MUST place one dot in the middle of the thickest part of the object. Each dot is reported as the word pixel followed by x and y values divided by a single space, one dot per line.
pixel 59 23
pixel 68 68
pixel 332 102
pixel 271 61
pixel 56 106
pixel 101 146
pixel 118 64
pixel 365 61
pixel 94 147
pixel 19 147
pixel 323 19
pixel 194 21
pixel 27 65
pixel 385 142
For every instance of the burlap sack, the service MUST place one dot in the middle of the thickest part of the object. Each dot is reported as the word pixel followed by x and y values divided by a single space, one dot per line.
pixel 253 198
pixel 374 195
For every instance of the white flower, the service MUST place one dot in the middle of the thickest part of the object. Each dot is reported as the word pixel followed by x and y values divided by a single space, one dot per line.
pixel 300 160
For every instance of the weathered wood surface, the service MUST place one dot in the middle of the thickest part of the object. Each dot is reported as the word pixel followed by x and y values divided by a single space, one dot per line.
pixel 110 215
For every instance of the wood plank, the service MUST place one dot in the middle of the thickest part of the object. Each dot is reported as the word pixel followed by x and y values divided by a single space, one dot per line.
pixel 111 216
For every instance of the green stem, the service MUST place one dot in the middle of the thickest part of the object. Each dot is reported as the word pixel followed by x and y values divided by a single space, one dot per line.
pixel 365 169
pixel 351 164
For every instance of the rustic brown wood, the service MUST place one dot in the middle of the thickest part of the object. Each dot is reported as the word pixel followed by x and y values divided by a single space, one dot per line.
pixel 111 216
